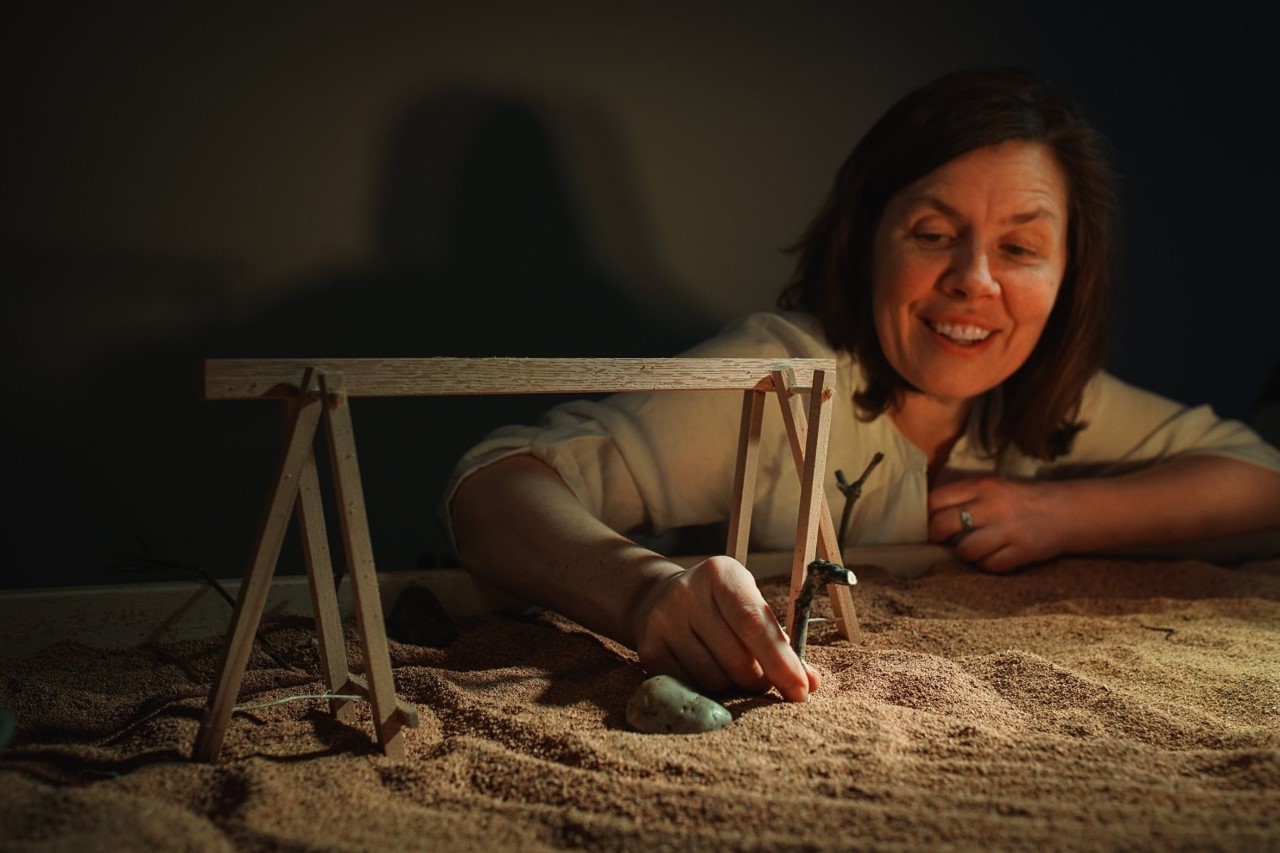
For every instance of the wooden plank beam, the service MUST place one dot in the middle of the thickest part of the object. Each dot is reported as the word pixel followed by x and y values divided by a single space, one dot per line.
pixel 252 379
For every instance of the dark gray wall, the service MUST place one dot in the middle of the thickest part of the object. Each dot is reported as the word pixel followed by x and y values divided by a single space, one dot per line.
pixel 316 180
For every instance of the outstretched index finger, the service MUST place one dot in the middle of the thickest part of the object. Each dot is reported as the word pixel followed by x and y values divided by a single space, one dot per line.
pixel 749 616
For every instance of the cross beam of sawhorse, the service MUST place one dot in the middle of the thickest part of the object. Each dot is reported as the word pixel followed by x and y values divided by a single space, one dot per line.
pixel 325 387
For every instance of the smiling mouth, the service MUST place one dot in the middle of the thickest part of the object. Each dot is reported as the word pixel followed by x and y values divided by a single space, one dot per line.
pixel 963 335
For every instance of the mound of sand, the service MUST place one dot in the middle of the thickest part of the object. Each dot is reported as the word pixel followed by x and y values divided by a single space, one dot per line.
pixel 1085 704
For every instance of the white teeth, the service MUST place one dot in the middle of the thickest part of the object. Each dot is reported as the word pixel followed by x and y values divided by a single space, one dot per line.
pixel 961 334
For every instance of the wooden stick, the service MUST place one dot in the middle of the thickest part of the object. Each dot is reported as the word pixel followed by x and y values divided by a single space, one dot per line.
pixel 811 493
pixel 251 379
pixel 744 477
pixel 793 418
pixel 842 606
pixel 257 581
pixel 324 598
pixel 387 720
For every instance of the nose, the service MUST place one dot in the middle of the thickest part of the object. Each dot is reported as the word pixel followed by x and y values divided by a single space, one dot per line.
pixel 970 276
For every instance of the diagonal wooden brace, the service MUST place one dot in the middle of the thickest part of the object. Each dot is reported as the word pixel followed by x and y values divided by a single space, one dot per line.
pixel 387 717
pixel 324 598
pixel 744 478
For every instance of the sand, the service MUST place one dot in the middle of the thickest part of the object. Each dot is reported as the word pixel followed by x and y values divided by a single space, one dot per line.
pixel 1086 704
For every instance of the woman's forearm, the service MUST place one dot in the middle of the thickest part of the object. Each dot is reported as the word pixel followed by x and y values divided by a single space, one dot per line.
pixel 518 526
pixel 1191 499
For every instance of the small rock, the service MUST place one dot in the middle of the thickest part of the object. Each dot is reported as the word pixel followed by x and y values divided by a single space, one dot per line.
pixel 664 705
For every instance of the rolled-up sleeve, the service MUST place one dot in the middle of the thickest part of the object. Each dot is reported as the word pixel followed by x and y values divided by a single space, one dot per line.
pixel 1128 427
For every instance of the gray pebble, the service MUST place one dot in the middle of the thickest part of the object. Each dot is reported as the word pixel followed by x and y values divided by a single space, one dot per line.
pixel 664 705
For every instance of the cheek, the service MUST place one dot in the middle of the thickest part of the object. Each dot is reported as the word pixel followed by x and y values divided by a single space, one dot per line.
pixel 891 286
pixel 1034 306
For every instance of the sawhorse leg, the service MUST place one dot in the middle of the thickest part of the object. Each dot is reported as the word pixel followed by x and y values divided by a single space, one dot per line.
pixel 744 478
pixel 324 597
pixel 389 714
pixel 297 481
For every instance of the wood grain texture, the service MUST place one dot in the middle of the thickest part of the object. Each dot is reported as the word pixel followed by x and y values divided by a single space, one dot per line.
pixel 251 379
pixel 744 478
pixel 299 449
pixel 324 598
pixel 812 502
pixel 796 423
pixel 370 626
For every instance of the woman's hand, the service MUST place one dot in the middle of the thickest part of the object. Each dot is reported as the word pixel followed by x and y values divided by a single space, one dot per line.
pixel 1009 524
pixel 519 527
pixel 711 627
pixel 1191 499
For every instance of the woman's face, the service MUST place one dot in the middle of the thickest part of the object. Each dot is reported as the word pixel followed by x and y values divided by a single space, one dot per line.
pixel 966 264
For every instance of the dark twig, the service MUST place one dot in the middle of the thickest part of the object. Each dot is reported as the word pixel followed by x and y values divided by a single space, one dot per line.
pixel 852 491
pixel 819 572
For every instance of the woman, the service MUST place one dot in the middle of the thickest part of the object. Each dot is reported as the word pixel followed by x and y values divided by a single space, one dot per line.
pixel 959 274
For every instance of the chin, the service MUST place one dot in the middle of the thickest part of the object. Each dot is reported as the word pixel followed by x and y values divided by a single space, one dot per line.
pixel 953 389
pixel 954 395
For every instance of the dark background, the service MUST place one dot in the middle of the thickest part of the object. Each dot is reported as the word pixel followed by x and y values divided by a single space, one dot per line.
pixel 527 179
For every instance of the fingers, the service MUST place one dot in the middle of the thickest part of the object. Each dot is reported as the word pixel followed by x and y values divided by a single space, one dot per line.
pixel 692 663
pixel 951 522
pixel 731 653
pixel 752 623
pixel 1001 561
pixel 969 515
pixel 997 524
pixel 952 505
pixel 977 535
pixel 712 627
pixel 986 547
pixel 815 680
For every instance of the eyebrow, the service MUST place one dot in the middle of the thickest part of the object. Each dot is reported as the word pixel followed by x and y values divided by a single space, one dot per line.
pixel 1016 219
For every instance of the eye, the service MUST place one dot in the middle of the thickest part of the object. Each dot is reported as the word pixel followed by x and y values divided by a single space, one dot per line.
pixel 1017 251
pixel 932 239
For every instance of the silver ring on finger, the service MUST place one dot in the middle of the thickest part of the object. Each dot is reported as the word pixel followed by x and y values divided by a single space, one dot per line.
pixel 966 520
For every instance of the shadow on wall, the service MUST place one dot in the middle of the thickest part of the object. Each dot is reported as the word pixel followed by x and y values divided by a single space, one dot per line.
pixel 481 253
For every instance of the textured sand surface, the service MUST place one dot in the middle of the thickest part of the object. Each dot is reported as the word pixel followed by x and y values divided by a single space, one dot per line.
pixel 1087 704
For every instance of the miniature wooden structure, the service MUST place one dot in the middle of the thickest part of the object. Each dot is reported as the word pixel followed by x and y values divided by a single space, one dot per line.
pixel 311 388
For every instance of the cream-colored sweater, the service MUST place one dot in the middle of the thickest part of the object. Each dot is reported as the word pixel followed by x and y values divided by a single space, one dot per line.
pixel 655 461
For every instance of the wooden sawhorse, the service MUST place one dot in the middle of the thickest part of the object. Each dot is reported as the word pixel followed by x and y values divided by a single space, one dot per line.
pixel 311 388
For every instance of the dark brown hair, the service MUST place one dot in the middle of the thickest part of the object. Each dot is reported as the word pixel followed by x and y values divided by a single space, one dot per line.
pixel 1038 406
